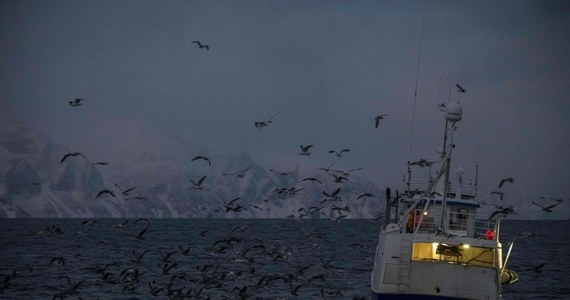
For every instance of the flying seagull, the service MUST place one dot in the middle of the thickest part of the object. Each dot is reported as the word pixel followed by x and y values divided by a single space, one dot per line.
pixel 239 174
pixel 282 173
pixel 313 179
pixel 546 208
pixel 105 192
pixel 261 124
pixel 505 211
pixel 339 178
pixel 378 118
pixel 460 89
pixel 305 150
pixel 76 102
pixel 198 185
pixel 347 172
pixel 331 197
pixel 365 195
pixel 71 154
pixel 125 192
pixel 202 158
pixel 339 153
pixel 200 45
pixel 501 194
pixel 510 179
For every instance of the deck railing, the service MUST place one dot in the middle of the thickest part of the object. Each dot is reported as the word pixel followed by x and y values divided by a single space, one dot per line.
pixel 457 224
pixel 467 190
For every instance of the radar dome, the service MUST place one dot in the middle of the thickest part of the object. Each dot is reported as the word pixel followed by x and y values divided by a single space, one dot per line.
pixel 454 112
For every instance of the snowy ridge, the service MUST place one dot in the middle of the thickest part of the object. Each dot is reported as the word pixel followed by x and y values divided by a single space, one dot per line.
pixel 160 168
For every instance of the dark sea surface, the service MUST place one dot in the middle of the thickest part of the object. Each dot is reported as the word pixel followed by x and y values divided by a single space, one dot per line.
pixel 233 258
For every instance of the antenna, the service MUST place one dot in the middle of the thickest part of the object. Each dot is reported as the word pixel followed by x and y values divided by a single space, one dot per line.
pixel 477 163
pixel 416 85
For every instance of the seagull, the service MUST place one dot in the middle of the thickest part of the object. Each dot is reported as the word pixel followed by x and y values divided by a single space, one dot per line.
pixel 184 251
pixel 71 154
pixel 203 158
pixel 460 89
pixel 57 260
pixel 339 179
pixel 509 179
pixel 331 197
pixel 282 173
pixel 135 256
pixel 378 118
pixel 125 192
pixel 76 102
pixel 347 172
pixel 261 124
pixel 166 257
pixel 338 209
pixel 422 163
pixel 501 194
pixel 339 153
pixel 6 284
pixel 141 234
pixel 239 174
pixel 538 268
pixel 547 208
pixel 138 198
pixel 198 185
pixel 305 150
pixel 284 192
pixel 327 169
pixel 505 211
pixel 167 267
pixel 101 163
pixel 105 192
pixel 90 222
pixel 154 288
pixel 310 179
pixel 365 195
pixel 229 204
pixel 123 224
pixel 200 45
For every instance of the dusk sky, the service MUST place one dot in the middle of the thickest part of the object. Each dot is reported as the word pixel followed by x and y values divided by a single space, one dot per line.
pixel 327 67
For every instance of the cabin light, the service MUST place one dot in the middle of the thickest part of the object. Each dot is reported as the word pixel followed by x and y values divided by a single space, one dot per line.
pixel 425 213
pixel 465 246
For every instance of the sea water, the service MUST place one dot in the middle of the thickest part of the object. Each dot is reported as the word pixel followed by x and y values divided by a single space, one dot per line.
pixel 236 258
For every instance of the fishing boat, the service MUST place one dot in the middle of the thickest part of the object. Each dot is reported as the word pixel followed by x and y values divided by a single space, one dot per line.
pixel 434 244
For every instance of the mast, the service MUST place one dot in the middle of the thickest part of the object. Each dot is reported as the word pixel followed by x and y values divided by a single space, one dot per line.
pixel 453 114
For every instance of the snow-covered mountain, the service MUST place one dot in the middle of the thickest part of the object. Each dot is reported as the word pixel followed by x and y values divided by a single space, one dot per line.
pixel 159 166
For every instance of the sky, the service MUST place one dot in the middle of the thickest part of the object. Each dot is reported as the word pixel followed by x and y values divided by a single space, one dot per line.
pixel 326 67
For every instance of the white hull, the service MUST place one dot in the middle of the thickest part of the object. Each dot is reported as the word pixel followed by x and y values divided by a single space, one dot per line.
pixel 395 272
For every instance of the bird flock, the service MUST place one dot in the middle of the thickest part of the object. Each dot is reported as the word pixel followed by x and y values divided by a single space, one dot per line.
pixel 228 267
pixel 213 259
pixel 336 209
pixel 509 209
